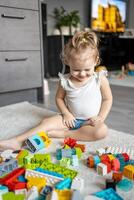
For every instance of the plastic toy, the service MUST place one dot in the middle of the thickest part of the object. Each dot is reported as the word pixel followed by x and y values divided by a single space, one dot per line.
pixel 81 146
pixel 49 172
pixel 7 154
pixel 102 169
pixel 79 123
pixel 77 183
pixel 129 172
pixel 110 183
pixel 37 142
pixel 40 158
pixel 108 194
pixel 21 191
pixel 33 193
pixel 115 164
pixel 74 161
pixel 8 166
pixel 117 176
pixel 61 194
pixel 64 184
pixel 51 180
pixel 67 173
pixel 11 195
pixel 120 150
pixel 90 162
pixel 125 185
pixel 70 142
pixel 10 180
pixel 65 162
pixel 66 153
pixel 21 157
pixel 46 190
pixel 3 189
pixel 100 151
pixel 39 182
pixel 76 195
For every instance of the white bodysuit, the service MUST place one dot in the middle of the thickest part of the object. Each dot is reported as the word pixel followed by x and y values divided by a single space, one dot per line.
pixel 85 101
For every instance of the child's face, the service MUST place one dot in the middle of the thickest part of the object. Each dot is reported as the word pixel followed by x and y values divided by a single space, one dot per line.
pixel 82 66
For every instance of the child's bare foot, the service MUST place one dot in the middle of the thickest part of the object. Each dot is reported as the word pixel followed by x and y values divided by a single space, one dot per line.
pixel 10 144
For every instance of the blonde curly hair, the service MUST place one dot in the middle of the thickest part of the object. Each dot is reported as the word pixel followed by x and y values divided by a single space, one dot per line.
pixel 82 40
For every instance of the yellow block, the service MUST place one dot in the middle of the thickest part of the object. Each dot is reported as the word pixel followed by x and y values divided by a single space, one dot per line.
pixel 45 138
pixel 36 181
pixel 64 194
pixel 111 157
pixel 129 172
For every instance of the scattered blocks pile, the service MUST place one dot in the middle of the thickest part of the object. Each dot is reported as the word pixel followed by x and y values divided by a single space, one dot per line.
pixel 30 175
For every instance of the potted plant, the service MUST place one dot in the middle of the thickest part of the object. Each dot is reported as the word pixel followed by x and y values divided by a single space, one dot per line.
pixel 62 19
pixel 74 21
pixel 66 22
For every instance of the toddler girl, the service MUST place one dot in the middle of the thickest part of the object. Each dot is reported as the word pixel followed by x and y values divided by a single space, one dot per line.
pixel 83 96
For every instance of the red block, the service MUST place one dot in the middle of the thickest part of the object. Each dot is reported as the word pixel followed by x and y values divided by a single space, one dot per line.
pixel 11 179
pixel 104 158
pixel 115 164
pixel 126 157
pixel 70 142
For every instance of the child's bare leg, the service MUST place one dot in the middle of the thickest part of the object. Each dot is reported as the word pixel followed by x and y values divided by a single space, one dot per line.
pixel 85 133
pixel 54 122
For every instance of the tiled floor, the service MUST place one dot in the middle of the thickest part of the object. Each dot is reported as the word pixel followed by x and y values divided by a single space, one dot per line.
pixel 121 117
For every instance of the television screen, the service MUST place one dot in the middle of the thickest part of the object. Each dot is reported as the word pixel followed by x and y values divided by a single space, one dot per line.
pixel 108 15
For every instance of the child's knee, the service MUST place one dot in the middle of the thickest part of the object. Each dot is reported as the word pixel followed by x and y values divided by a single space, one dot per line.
pixel 101 132
pixel 44 121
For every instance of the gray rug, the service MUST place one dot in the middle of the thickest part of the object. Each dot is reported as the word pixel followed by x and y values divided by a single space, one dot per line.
pixel 16 119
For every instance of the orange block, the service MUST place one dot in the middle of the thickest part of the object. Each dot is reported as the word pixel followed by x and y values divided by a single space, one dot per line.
pixel 81 146
pixel 90 161
pixel 117 176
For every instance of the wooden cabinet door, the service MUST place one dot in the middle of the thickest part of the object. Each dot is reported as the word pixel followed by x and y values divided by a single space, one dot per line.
pixel 19 29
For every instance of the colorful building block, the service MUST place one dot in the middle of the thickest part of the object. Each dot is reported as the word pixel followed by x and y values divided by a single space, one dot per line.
pixel 102 169
pixel 77 183
pixel 59 169
pixel 39 182
pixel 117 176
pixel 64 184
pixel 108 194
pixel 129 172
pixel 51 179
pixel 38 141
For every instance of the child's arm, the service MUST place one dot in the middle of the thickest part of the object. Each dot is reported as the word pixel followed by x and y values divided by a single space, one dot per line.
pixel 106 102
pixel 106 98
pixel 68 118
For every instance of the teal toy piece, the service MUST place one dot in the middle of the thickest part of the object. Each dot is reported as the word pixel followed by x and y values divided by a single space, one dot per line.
pixel 65 184
pixel 108 194
pixel 35 143
pixel 125 185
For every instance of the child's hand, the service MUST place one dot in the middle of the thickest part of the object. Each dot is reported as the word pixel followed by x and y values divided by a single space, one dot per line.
pixel 69 120
pixel 95 120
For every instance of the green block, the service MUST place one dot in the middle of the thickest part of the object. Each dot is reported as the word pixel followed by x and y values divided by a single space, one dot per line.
pixel 11 195
pixel 78 152
pixel 67 173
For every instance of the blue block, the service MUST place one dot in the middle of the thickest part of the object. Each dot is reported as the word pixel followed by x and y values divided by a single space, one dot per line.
pixel 79 123
pixel 49 172
pixel 65 184
pixel 35 143
pixel 125 185
pixel 108 194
